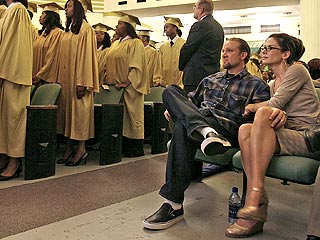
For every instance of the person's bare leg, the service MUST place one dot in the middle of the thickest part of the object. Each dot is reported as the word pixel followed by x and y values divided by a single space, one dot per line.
pixel 81 151
pixel 12 167
pixel 69 149
pixel 263 146
pixel 4 160
pixel 244 142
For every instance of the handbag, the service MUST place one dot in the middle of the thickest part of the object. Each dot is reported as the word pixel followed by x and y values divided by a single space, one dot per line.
pixel 312 138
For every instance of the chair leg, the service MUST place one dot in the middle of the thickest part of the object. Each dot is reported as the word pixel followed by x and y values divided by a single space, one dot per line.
pixel 244 188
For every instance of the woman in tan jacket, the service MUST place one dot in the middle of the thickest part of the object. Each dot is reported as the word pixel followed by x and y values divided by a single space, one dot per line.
pixel 278 127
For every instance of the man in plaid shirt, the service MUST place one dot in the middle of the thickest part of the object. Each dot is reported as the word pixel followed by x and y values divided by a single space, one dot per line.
pixel 208 118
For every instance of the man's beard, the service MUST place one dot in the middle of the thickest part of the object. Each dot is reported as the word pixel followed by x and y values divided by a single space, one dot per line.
pixel 227 66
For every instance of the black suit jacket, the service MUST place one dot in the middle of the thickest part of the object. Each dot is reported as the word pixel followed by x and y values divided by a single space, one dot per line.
pixel 200 56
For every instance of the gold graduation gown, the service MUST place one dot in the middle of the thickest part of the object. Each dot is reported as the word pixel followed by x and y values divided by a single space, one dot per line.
pixel 126 61
pixel 169 58
pixel 45 56
pixel 16 70
pixel 3 8
pixel 153 65
pixel 35 32
pixel 253 69
pixel 102 54
pixel 78 66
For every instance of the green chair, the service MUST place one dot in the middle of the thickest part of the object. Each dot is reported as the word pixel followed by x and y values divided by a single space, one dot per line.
pixel 46 94
pixel 155 95
pixel 155 124
pixel 295 169
pixel 33 87
pixel 40 149
pixel 108 120
pixel 111 96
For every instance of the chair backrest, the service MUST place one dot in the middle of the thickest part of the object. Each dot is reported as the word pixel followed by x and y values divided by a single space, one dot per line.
pixel 46 94
pixel 33 87
pixel 111 96
pixel 318 92
pixel 155 94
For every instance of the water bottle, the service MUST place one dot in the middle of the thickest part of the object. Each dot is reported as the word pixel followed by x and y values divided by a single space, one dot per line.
pixel 234 205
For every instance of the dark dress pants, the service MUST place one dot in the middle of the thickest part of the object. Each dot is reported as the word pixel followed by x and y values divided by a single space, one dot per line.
pixel 184 143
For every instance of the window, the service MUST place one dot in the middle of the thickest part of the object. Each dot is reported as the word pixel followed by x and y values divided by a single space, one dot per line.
pixel 122 3
pixel 237 30
pixel 270 28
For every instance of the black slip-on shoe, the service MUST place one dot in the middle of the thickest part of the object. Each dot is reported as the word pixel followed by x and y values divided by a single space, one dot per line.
pixel 214 144
pixel 311 237
pixel 164 218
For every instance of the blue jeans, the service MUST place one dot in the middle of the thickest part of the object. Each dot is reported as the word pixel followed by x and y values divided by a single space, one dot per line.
pixel 185 141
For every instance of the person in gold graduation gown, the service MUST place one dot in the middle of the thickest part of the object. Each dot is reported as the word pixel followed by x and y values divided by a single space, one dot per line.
pixel 46 46
pixel 170 52
pixel 103 44
pixel 78 76
pixel 126 68
pixel 3 7
pixel 15 85
pixel 32 9
pixel 152 58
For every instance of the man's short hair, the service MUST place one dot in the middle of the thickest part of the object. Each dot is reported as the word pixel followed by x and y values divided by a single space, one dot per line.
pixel 243 47
pixel 207 5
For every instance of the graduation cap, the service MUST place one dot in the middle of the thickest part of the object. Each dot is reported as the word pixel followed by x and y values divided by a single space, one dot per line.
pixel 132 20
pixel 52 7
pixel 32 7
pixel 124 17
pixel 101 27
pixel 153 43
pixel 174 21
pixel 144 32
pixel 86 4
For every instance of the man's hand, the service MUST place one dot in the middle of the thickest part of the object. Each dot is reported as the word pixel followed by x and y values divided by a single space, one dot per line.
pixel 80 91
pixel 167 115
pixel 249 109
pixel 278 118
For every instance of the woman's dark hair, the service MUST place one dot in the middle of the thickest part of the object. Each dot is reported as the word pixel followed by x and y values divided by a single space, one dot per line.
pixel 106 41
pixel 78 16
pixel 291 44
pixel 2 2
pixel 314 68
pixel 51 21
pixel 131 31
pixel 243 46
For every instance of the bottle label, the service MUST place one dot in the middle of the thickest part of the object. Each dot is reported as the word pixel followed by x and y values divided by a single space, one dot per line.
pixel 233 210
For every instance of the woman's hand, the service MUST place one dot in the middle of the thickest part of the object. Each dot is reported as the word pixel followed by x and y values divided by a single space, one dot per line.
pixel 35 80
pixel 167 115
pixel 122 85
pixel 80 91
pixel 278 118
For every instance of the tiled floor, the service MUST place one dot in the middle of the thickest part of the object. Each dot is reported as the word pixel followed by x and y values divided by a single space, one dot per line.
pixel 206 207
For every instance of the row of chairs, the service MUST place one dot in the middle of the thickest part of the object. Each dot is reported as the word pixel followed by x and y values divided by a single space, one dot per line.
pixel 108 109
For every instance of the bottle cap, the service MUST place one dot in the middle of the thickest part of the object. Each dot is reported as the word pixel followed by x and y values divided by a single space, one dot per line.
pixel 234 189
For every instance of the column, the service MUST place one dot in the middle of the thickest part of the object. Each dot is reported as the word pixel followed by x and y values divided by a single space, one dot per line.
pixel 309 28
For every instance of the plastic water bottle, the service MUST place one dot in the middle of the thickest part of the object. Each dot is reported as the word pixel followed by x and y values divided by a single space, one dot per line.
pixel 234 205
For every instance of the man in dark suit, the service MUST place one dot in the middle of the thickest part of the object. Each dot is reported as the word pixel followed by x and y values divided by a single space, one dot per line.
pixel 200 56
